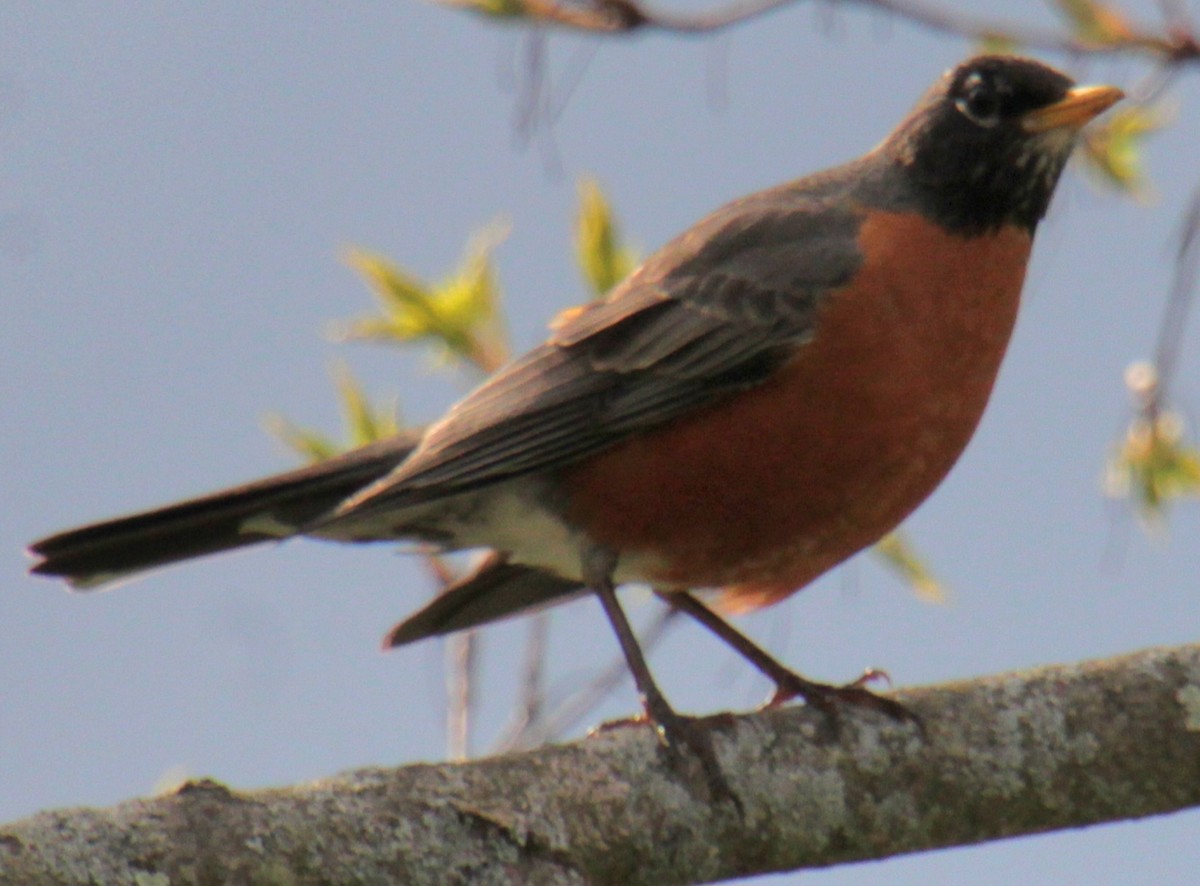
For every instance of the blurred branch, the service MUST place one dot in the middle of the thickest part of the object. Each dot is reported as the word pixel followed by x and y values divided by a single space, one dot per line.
pixel 1183 289
pixel 1096 27
pixel 531 706
pixel 1059 747
pixel 460 658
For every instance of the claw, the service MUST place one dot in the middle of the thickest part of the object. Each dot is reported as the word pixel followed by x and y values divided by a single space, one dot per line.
pixel 619 723
pixel 685 741
pixel 789 684
pixel 872 675
pixel 827 698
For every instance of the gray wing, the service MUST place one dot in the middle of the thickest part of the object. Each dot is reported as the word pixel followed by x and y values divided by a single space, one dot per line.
pixel 713 312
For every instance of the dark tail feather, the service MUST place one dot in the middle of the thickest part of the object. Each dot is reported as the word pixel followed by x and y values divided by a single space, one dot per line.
pixel 495 590
pixel 273 508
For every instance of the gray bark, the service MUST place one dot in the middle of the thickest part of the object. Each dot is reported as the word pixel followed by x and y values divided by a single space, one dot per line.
pixel 1015 754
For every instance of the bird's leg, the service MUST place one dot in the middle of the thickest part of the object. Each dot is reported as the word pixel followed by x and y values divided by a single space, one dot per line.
pixel 788 684
pixel 674 730
pixel 658 710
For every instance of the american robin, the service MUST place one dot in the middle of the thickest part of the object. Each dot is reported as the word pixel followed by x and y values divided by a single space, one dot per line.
pixel 768 394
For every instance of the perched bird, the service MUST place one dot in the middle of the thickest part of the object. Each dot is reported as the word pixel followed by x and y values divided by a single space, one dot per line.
pixel 769 393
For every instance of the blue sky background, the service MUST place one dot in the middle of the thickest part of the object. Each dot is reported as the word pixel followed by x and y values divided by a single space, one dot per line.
pixel 176 183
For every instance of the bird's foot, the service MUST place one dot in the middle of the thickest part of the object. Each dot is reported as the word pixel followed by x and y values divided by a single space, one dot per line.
pixel 828 698
pixel 687 743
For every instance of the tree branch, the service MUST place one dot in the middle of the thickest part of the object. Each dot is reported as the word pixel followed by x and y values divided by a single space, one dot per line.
pixel 1016 754
pixel 1175 44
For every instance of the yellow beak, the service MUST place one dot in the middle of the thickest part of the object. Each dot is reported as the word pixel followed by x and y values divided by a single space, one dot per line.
pixel 1074 110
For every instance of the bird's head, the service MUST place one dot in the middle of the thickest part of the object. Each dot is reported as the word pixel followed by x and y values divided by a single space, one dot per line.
pixel 986 145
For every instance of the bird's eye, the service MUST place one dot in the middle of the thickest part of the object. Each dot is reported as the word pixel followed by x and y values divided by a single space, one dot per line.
pixel 980 100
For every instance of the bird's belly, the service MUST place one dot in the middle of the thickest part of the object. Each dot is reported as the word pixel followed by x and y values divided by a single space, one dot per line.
pixel 764 491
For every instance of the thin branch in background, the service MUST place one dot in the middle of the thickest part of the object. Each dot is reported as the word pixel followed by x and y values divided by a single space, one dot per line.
pixel 529 79
pixel 1183 288
pixel 533 85
pixel 460 697
pixel 734 14
pixel 542 98
pixel 1177 46
pixel 460 656
pixel 531 704
pixel 558 98
pixel 533 690
pixel 576 706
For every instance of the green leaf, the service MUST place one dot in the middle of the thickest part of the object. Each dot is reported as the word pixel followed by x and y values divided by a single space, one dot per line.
pixel 506 9
pixel 997 43
pixel 312 446
pixel 469 299
pixel 365 423
pixel 1112 147
pixel 460 314
pixel 406 303
pixel 604 260
pixel 1153 466
pixel 902 558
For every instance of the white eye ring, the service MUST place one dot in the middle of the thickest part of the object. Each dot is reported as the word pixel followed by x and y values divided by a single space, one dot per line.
pixel 981 101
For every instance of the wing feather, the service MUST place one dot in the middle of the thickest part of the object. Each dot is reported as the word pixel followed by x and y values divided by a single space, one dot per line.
pixel 712 313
